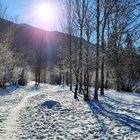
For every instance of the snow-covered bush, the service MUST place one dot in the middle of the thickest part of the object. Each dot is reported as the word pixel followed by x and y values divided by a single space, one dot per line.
pixel 10 70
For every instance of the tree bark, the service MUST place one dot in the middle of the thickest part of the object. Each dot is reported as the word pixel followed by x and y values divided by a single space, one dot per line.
pixel 108 46
pixel 97 50
pixel 103 49
pixel 70 40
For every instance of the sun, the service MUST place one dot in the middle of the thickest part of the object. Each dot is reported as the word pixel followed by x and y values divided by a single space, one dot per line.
pixel 44 12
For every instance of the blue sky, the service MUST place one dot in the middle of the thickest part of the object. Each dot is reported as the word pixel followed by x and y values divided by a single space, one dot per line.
pixel 25 10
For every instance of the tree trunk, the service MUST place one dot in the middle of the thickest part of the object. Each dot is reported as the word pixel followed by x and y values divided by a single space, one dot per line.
pixel 70 41
pixel 108 46
pixel 60 76
pixel 36 73
pixel 106 83
pixel 45 74
pixel 97 51
pixel 103 48
pixel 118 73
pixel 76 88
pixel 117 47
pixel 80 60
pixel 76 82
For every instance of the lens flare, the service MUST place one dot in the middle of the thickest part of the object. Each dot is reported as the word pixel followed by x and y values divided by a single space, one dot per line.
pixel 45 12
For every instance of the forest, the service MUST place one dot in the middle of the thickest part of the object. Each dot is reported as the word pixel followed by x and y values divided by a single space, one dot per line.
pixel 100 48
pixel 95 50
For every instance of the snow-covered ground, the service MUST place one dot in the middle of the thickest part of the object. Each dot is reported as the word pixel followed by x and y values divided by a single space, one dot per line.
pixel 50 112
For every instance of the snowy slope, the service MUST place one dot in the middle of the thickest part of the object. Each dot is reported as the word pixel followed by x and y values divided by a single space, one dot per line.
pixel 50 112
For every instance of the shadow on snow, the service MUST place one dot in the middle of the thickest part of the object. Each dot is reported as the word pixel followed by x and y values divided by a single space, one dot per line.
pixel 8 90
pixel 107 110
pixel 50 104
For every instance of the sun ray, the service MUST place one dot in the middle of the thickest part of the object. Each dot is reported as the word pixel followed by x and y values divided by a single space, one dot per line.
pixel 44 12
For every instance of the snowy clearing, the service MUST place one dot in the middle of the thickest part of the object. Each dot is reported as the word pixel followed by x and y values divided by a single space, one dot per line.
pixel 50 112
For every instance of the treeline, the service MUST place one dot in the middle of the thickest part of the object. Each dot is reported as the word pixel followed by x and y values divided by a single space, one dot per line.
pixel 11 65
pixel 113 27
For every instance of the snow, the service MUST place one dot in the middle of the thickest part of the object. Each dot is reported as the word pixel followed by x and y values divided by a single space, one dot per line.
pixel 50 112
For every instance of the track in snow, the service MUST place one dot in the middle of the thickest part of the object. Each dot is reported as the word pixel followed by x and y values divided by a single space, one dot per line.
pixel 11 122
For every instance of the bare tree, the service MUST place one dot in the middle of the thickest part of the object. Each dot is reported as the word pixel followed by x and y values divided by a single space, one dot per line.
pixel 3 11
pixel 103 46
pixel 97 48
pixel 108 45
pixel 80 7
pixel 70 31
pixel 88 33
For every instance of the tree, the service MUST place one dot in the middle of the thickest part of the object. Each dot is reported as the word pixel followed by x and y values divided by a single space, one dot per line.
pixel 88 33
pixel 69 20
pixel 80 9
pixel 9 62
pixel 129 63
pixel 122 19
pixel 3 11
pixel 40 57
pixel 97 48
pixel 103 46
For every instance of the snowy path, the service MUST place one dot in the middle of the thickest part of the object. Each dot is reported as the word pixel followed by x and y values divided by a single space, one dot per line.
pixel 11 122
pixel 50 113
pixel 13 109
pixel 11 105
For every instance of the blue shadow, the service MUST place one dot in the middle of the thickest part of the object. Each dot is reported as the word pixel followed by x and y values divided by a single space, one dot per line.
pixel 50 104
pixel 103 109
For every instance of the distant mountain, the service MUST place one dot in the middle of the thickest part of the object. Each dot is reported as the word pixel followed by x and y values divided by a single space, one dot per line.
pixel 26 34
pixel 28 38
